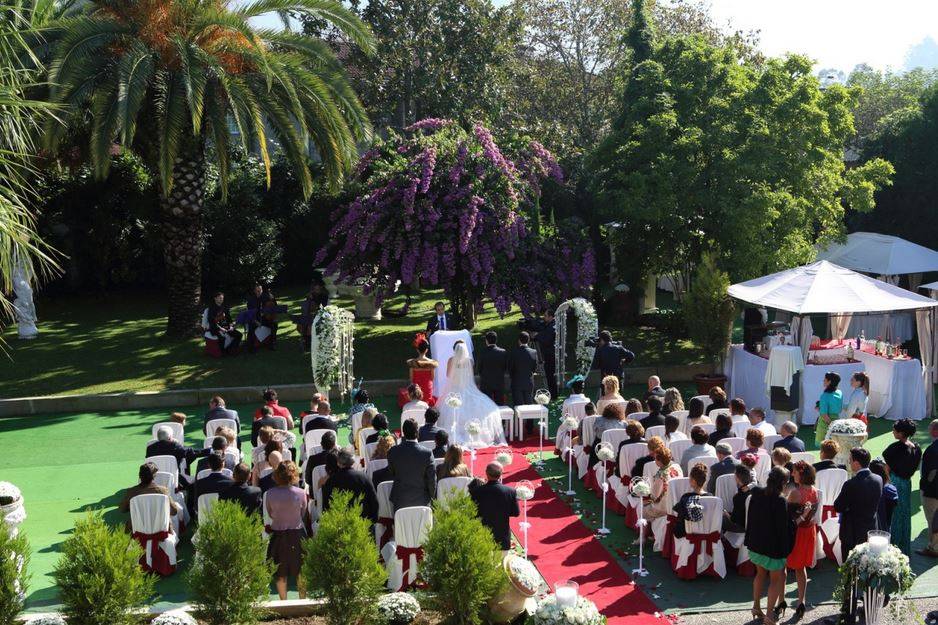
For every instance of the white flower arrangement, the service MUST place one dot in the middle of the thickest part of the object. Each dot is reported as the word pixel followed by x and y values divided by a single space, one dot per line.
pixel 587 327
pixel 504 458
pixel 524 492
pixel 889 569
pixel 847 427
pixel 571 423
pixel 174 618
pixel 542 397
pixel 331 350
pixel 46 619
pixel 453 400
pixel 549 612
pixel 398 607
pixel 473 428
pixel 524 575
pixel 640 487
pixel 605 452
pixel 12 509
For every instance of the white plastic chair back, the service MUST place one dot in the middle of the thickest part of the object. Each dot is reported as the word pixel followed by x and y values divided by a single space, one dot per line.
pixel 313 438
pixel 740 418
pixel 807 456
pixel 315 492
pixel 213 424
pixel 149 514
pixel 615 437
pixel 586 426
pixel 431 445
pixel 574 408
pixel 411 526
pixel 375 465
pixel 717 412
pixel 737 444
pixel 438 461
pixel 712 522
pixel 417 414
pixel 768 442
pixel 356 420
pixel 449 487
pixel 707 461
pixel 709 428
pixel 740 429
pixel 167 480
pixel 178 431
pixel 649 470
pixel 233 455
pixel 678 448
pixel 704 398
pixel 385 509
pixel 170 481
pixel 369 451
pixel 635 416
pixel 306 419
pixel 363 435
pixel 681 416
pixel 628 455
pixel 166 463
pixel 830 482
pixel 205 503
pixel 726 490
pixel 204 472
pixel 761 471
pixel 655 430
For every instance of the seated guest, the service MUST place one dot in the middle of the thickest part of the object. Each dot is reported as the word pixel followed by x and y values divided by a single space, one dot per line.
pixel 654 389
pixel 164 445
pixel 220 325
pixel 264 436
pixel 654 444
pixel 890 497
pixel 215 481
pixel 379 423
pixel 656 504
pixel 610 395
pixel 632 406
pixel 453 465
pixel 672 401
pixel 781 457
pixel 635 434
pixel 724 429
pixel 352 481
pixel 267 419
pixel 286 506
pixel 613 419
pixel 178 417
pixel 415 399
pixel 698 481
pixel 368 415
pixel 228 434
pixel 496 503
pixel 671 433
pixel 736 521
pixel 738 410
pixel 219 445
pixel 757 420
pixel 271 401
pixel 323 420
pixel 441 440
pixel 145 486
pixel 789 440
pixel 274 460
pixel 754 440
pixel 218 410
pixel 412 469
pixel 576 385
pixel 362 401
pixel 828 451
pixel 314 405
pixel 326 458
pixel 725 465
pixel 428 430
pixel 701 447
pixel 717 400
pixel 589 410
pixel 654 413
pixel 385 443
pixel 695 413
pixel 248 496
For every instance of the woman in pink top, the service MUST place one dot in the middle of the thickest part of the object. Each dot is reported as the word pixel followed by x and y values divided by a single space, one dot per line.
pixel 286 508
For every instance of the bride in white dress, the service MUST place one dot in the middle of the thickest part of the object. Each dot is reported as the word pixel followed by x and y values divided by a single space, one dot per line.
pixel 475 406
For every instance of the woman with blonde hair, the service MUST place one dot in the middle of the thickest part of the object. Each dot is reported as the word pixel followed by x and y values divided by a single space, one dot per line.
pixel 384 444
pixel 656 504
pixel 672 401
pixel 452 465
pixel 610 393
pixel 368 414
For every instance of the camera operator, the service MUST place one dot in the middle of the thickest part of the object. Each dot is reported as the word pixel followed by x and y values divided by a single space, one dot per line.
pixel 610 355
pixel 546 339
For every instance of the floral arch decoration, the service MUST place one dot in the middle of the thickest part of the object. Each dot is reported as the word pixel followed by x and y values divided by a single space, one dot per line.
pixel 587 327
pixel 331 349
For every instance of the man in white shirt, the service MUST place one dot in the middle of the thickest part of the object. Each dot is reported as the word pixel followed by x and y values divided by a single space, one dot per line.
pixel 757 420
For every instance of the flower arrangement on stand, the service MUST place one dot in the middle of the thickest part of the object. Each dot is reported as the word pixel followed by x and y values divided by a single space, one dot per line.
pixel 876 571
pixel 848 433
pixel 587 327
pixel 524 582
pixel 12 510
pixel 398 608
pixel 550 611
pixel 332 350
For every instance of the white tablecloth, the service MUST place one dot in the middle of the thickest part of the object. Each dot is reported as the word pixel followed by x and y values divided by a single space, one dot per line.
pixel 441 349
pixel 784 362
pixel 897 390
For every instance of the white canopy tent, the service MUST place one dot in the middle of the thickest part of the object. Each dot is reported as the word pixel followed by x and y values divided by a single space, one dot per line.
pixel 825 288
pixel 880 254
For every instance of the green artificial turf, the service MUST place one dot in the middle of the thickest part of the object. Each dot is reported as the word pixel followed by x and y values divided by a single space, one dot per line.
pixel 107 344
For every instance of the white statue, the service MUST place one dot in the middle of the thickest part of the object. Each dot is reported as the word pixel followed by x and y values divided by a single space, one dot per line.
pixel 23 302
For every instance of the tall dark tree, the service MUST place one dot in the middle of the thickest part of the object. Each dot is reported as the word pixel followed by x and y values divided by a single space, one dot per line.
pixel 641 34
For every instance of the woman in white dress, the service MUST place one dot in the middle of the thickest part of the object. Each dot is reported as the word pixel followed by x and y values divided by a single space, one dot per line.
pixel 475 405
pixel 857 398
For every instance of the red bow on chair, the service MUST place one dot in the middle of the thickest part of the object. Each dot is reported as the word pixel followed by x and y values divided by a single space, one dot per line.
pixel 403 554
pixel 827 512
pixel 388 533
pixel 153 559
pixel 707 541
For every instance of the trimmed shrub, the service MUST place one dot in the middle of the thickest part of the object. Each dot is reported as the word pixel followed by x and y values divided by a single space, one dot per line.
pixel 461 561
pixel 14 576
pixel 709 310
pixel 340 563
pixel 230 574
pixel 99 576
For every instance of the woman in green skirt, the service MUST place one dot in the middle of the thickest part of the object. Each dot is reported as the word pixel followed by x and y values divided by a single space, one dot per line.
pixel 770 536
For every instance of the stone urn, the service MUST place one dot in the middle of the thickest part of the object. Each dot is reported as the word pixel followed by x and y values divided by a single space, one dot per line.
pixel 366 307
pixel 848 433
pixel 523 584
pixel 12 510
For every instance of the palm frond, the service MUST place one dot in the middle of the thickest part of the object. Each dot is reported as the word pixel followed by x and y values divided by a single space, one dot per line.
pixel 171 107
pixel 135 69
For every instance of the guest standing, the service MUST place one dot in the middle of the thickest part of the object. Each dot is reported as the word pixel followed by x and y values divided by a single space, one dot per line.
pixel 803 499
pixel 828 451
pixel 496 503
pixel 769 537
pixel 492 365
pixel 858 398
pixel 351 481
pixel 903 458
pixel 829 406
pixel 889 499
pixel 654 389
pixel 422 368
pixel 609 356
pixel 286 508
pixel 928 487
pixel 522 363
pixel 412 469
pixel 546 339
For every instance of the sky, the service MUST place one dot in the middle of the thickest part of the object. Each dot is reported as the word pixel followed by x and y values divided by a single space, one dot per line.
pixel 840 34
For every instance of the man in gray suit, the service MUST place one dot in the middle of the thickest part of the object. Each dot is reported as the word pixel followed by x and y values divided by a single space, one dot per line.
pixel 218 410
pixel 411 467
pixel 492 362
pixel 522 363
pixel 725 465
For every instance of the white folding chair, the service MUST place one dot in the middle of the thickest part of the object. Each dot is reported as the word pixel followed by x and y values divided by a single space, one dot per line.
pixel 717 412
pixel 570 408
pixel 740 418
pixel 178 431
pixel 635 416
pixel 417 414
pixel 676 488
pixel 768 442
pixel 692 557
pixel 726 490
pixel 681 416
pixel 205 503
pixel 312 439
pixel 411 526
pixel 736 444
pixel 707 461
pixel 807 456
pixel 375 465
pixel 213 424
pixel 166 463
pixel 678 448
pixel 709 428
pixel 369 451
pixel 829 483
pixel 655 430
pixel 761 471
pixel 315 492
pixel 356 420
pixel 628 454
pixel 740 429
pixel 149 519
pixel 529 412
pixel 384 528
pixel 614 438
pixel 580 453
pixel 306 419
pixel 431 445
pixel 448 487
pixel 204 472
pixel 170 481
pixel 737 540
pixel 704 398
pixel 363 435
pixel 507 413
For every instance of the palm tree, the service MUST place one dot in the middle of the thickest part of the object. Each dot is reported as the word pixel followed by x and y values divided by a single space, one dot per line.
pixel 179 80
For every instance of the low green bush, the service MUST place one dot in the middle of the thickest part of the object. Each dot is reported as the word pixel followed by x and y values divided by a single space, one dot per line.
pixel 340 563
pixel 14 575
pixel 230 574
pixel 461 561
pixel 99 576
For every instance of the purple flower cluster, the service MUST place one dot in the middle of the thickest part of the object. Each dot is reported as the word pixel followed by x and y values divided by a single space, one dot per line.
pixel 431 123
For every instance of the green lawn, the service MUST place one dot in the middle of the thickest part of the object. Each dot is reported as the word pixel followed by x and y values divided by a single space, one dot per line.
pixel 102 344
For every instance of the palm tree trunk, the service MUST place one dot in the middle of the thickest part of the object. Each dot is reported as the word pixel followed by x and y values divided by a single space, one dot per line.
pixel 183 242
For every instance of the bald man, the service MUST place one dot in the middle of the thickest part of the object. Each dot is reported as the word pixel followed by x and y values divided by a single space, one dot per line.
pixel 654 389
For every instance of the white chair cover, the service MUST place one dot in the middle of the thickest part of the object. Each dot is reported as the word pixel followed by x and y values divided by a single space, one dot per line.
pixel 726 490
pixel 628 454
pixel 676 488
pixel 829 484
pixel 655 430
pixel 737 540
pixel 737 444
pixel 711 524
pixel 681 416
pixel 368 452
pixel 709 428
pixel 306 419
pixel 375 465
pixel 707 461
pixel 356 420
pixel 741 418
pixel 740 429
pixel 204 472
pixel 582 458
pixel 575 409
pixel 635 416
pixel 170 481
pixel 205 503
pixel 363 435
pixel 678 448
pixel 449 487
pixel 807 456
pixel 166 463
pixel 717 412
pixel 417 414
pixel 411 526
pixel 385 515
pixel 761 471
pixel 768 442
pixel 431 445
pixel 614 438
pixel 312 439
pixel 149 515
pixel 213 424
pixel 178 431
pixel 315 492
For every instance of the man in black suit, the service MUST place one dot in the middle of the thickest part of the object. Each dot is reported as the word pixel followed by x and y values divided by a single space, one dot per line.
pixel 857 504
pixel 267 418
pixel 217 410
pixel 829 450
pixel 496 503
pixel 349 480
pixel 610 356
pixel 218 446
pixel 522 363
pixel 928 487
pixel 164 445
pixel 322 420
pixel 428 430
pixel 441 320
pixel 248 496
pixel 654 416
pixel 725 465
pixel 546 339
pixel 491 365
pixel 789 440
pixel 325 457
pixel 412 469
pixel 216 481
pixel 654 389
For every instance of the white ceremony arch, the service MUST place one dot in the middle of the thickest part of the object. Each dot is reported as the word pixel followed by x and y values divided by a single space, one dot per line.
pixel 587 327
pixel 331 349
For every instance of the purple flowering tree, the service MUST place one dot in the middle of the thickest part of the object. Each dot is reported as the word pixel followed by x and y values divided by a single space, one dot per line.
pixel 448 207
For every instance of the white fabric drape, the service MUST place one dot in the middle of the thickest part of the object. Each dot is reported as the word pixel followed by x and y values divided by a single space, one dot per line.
pixel 915 281
pixel 839 323
pixel 801 333
pixel 925 321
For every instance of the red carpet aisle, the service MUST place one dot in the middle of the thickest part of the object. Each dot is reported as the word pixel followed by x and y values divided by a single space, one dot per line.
pixel 562 547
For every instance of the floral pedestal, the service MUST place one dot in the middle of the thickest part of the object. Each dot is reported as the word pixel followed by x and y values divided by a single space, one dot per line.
pixel 366 308
pixel 523 583
pixel 12 510
pixel 848 433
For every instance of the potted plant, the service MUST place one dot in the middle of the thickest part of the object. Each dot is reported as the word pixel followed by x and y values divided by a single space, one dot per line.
pixel 709 312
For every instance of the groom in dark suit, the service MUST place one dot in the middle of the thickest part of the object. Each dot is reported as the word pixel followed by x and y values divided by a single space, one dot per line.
pixel 441 320
pixel 522 363
pixel 492 363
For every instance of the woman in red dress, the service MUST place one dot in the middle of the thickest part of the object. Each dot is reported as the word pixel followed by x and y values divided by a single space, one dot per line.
pixel 803 499
pixel 422 369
